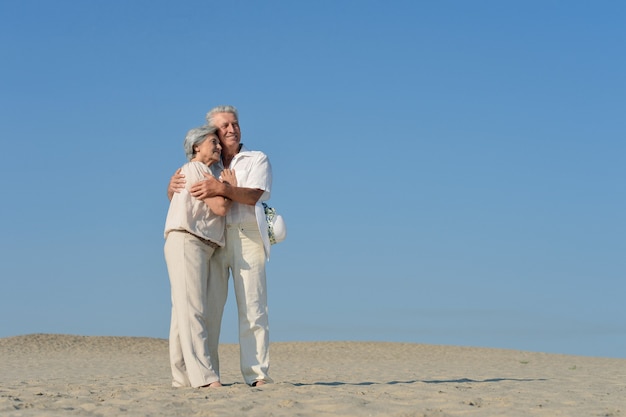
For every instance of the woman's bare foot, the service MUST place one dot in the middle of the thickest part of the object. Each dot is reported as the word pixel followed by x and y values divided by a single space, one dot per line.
pixel 215 384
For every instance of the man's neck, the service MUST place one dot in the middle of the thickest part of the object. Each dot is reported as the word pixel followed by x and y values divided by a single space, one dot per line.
pixel 229 154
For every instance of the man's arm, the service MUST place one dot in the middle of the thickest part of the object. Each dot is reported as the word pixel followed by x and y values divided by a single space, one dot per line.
pixel 177 183
pixel 211 187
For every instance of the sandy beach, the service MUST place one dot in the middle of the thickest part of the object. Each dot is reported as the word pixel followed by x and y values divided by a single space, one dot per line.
pixel 64 375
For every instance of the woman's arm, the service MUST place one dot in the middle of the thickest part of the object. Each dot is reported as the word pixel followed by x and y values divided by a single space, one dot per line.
pixel 218 205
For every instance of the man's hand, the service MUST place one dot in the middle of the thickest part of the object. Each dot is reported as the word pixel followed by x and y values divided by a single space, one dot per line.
pixel 177 184
pixel 210 187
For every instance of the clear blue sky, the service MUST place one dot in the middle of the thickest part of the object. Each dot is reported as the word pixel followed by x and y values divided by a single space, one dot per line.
pixel 452 172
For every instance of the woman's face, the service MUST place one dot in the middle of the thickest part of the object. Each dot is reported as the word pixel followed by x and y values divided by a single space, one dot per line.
pixel 208 151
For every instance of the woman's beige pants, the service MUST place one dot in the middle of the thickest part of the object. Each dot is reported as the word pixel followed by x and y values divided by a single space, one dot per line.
pixel 187 259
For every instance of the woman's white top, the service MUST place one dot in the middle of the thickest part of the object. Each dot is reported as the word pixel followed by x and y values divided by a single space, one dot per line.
pixel 192 215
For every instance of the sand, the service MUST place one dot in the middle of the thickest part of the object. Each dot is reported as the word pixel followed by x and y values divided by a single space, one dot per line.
pixel 64 375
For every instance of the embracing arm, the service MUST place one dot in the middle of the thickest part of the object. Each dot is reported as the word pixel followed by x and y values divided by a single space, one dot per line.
pixel 177 183
pixel 211 187
pixel 218 205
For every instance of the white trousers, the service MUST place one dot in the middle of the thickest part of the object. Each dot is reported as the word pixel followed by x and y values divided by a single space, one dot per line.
pixel 244 257
pixel 187 259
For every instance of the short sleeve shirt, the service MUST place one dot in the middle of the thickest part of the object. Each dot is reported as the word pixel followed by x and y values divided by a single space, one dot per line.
pixel 253 170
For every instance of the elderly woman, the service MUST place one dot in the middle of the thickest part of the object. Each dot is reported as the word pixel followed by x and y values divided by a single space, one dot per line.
pixel 193 230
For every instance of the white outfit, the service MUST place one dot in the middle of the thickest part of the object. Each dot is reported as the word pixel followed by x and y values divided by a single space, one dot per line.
pixel 192 232
pixel 253 170
pixel 244 255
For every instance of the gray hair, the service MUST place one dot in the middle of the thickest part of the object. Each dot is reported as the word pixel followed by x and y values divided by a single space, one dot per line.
pixel 195 137
pixel 220 109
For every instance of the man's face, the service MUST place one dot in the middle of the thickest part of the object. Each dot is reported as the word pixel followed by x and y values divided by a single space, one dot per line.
pixel 227 129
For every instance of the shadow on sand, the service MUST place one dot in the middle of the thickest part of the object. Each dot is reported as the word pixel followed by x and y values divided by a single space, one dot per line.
pixel 436 381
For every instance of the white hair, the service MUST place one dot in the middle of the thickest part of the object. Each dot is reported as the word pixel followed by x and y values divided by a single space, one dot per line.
pixel 195 137
pixel 220 109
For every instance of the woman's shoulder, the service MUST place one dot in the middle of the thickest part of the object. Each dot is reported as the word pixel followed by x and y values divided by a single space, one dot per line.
pixel 193 170
pixel 195 166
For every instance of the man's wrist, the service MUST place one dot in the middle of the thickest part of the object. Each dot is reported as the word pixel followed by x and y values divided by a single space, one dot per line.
pixel 225 190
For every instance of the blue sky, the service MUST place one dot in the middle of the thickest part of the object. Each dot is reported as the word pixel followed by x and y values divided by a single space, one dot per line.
pixel 451 172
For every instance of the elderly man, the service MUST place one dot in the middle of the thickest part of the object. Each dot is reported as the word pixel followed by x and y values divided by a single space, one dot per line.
pixel 247 244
